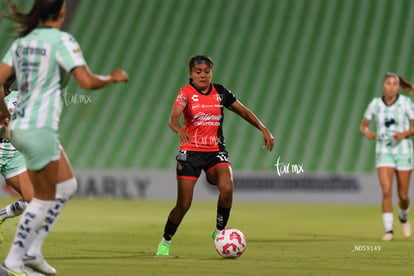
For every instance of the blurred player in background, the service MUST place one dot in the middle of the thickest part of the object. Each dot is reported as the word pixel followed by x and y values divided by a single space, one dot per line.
pixel 393 114
pixel 202 144
pixel 42 57
pixel 12 165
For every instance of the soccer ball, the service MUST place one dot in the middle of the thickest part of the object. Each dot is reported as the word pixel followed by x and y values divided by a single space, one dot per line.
pixel 230 243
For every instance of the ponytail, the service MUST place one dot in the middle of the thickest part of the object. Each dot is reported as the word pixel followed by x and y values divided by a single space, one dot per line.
pixel 42 10
pixel 25 22
pixel 405 85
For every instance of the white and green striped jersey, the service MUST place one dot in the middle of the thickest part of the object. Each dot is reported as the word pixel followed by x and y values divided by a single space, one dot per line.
pixel 6 148
pixel 390 119
pixel 42 60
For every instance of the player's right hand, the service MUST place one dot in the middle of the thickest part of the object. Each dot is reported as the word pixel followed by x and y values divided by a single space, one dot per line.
pixel 269 141
pixel 119 75
pixel 370 135
pixel 184 136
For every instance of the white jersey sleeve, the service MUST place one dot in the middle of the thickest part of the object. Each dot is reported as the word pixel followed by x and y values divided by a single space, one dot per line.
pixel 410 109
pixel 68 53
pixel 369 112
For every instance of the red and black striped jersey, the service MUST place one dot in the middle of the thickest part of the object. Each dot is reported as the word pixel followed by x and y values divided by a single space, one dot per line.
pixel 203 116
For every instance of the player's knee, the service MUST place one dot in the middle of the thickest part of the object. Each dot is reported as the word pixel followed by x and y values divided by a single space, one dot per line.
pixel 403 196
pixel 226 188
pixel 225 185
pixel 67 188
pixel 386 195
pixel 227 193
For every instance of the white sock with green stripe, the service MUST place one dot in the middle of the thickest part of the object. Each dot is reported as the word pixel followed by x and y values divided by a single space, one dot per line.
pixel 64 191
pixel 30 222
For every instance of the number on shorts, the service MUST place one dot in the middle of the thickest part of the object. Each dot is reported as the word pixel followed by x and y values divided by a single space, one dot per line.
pixel 223 157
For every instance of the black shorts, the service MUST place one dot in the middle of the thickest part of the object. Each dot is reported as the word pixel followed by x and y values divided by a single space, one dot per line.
pixel 191 163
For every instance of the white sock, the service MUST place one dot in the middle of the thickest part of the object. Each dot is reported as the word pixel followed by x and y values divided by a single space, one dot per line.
pixel 388 219
pixel 64 191
pixel 164 240
pixel 30 222
pixel 404 214
pixel 13 210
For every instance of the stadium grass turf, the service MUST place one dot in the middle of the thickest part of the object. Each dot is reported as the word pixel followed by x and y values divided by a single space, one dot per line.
pixel 119 237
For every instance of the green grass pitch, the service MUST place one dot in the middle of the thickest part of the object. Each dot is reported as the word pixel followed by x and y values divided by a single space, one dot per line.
pixel 119 237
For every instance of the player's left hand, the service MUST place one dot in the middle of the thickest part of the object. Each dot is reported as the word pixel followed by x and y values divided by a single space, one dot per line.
pixel 399 136
pixel 269 141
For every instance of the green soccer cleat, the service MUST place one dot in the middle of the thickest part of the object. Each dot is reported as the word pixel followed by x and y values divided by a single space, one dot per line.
pixel 163 249
pixel 214 235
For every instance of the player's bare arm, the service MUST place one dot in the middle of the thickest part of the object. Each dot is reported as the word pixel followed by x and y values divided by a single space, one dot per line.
pixel 405 134
pixel 363 128
pixel 238 108
pixel 174 124
pixel 88 80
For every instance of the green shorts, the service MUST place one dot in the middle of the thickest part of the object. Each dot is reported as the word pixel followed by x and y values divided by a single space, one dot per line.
pixel 39 146
pixel 12 165
pixel 401 162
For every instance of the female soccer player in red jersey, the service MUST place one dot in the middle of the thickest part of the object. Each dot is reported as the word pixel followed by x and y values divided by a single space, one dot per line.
pixel 202 143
